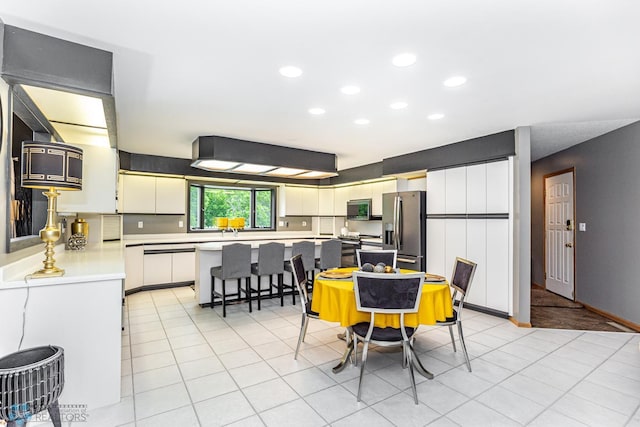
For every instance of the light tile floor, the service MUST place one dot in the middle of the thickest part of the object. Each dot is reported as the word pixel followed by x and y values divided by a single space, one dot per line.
pixel 183 365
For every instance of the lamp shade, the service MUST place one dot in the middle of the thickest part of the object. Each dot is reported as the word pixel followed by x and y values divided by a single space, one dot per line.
pixel 51 165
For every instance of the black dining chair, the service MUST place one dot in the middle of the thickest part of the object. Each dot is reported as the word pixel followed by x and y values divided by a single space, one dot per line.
pixel 391 293
pixel 307 249
pixel 270 263
pixel 301 279
pixel 463 271
pixel 386 256
pixel 236 264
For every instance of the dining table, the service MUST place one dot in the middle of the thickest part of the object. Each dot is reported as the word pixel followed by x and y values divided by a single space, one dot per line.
pixel 334 300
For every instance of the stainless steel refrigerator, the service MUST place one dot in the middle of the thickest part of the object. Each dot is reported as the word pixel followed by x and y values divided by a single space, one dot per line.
pixel 404 227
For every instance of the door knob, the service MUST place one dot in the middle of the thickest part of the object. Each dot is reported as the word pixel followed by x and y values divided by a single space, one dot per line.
pixel 568 245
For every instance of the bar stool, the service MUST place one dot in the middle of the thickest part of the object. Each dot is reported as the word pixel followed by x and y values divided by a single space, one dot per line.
pixel 270 262
pixel 330 255
pixel 236 264
pixel 308 251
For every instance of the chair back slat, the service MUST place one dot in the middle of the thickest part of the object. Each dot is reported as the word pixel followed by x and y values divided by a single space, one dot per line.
pixel 386 256
pixel 330 254
pixel 388 292
pixel 236 261
pixel 270 258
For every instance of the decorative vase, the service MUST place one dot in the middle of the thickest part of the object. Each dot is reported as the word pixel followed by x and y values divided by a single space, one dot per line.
pixel 80 226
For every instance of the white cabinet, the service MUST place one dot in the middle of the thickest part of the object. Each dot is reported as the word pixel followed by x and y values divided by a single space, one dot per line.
pixel 170 195
pixel 309 197
pixel 166 267
pixel 150 194
pixel 325 201
pixel 497 273
pixel 99 181
pixel 390 186
pixel 360 191
pixel 436 247
pixel 299 201
pixel 157 269
pixel 498 187
pixel 133 267
pixel 436 192
pixel 341 196
pixel 456 190
pixel 183 267
pixel 477 252
pixel 455 242
pixel 377 188
pixel 477 188
pixel 138 194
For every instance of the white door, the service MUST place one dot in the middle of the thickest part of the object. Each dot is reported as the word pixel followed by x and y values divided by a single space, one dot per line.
pixel 559 235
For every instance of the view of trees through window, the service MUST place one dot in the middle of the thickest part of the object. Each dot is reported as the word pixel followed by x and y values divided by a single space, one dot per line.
pixel 208 203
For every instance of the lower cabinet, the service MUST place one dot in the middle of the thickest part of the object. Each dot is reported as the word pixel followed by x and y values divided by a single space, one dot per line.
pixel 145 267
pixel 483 241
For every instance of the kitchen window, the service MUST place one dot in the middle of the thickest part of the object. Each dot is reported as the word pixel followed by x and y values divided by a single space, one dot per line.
pixel 211 206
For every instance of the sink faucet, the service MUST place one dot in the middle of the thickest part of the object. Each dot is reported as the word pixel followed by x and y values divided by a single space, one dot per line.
pixel 235 232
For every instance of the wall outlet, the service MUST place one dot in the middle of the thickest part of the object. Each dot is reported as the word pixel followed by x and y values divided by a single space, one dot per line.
pixel 140 225
pixel 304 223
pixel 582 226
pixel 180 224
pixel 280 223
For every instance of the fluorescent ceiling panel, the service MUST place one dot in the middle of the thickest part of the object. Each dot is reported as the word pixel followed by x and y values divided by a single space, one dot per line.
pixel 73 134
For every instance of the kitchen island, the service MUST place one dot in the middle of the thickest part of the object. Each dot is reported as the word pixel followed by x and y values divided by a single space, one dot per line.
pixel 210 255
pixel 80 312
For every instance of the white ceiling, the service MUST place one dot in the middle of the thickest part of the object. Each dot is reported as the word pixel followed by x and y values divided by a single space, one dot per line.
pixel 570 69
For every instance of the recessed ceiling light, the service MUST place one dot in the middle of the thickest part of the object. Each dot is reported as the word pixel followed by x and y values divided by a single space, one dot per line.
pixel 251 168
pixel 455 81
pixel 361 121
pixel 216 164
pixel 399 105
pixel 291 71
pixel 286 172
pixel 435 116
pixel 350 90
pixel 316 111
pixel 404 59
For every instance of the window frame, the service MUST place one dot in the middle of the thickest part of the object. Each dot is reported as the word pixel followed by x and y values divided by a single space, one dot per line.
pixel 253 188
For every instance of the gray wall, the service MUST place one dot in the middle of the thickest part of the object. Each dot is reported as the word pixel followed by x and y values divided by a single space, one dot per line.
pixel 607 174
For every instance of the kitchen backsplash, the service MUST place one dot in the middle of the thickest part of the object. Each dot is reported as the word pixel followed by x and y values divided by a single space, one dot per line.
pixel 153 224
pixel 294 223
pixel 371 228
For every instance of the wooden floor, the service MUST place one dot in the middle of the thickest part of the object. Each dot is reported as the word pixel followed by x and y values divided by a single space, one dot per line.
pixel 549 310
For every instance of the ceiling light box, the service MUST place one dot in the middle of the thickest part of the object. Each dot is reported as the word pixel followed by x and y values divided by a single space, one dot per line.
pixel 221 154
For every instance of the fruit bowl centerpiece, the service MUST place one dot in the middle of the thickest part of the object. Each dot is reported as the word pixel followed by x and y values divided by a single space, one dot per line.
pixel 378 268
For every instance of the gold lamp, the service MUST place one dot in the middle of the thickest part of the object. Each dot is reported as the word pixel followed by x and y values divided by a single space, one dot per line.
pixel 51 166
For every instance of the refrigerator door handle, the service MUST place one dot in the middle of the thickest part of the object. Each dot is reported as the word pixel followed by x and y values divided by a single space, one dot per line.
pixel 400 225
pixel 407 260
pixel 396 222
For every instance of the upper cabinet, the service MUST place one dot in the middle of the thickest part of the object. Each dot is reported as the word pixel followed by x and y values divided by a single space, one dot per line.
pixel 99 180
pixel 341 196
pixel 298 201
pixel 171 195
pixel 150 194
pixel 326 201
pixel 475 189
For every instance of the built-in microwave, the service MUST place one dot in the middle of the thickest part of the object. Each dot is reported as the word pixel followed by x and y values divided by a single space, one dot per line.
pixel 359 210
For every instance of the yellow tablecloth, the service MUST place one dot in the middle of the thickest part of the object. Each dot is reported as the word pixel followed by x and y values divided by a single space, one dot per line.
pixel 336 302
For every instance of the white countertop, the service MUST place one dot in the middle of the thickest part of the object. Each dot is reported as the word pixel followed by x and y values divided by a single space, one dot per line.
pixel 97 262
pixel 150 239
pixel 216 246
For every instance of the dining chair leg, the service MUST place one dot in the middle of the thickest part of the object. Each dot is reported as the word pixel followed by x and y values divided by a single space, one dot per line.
pixel 303 332
pixel 260 289
pixel 453 340
pixel 365 349
pixel 224 299
pixel 464 347
pixel 355 350
pixel 247 286
pixel 409 356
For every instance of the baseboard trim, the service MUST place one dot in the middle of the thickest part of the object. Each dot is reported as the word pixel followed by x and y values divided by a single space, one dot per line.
pixel 535 285
pixel 485 310
pixel 613 317
pixel 519 324
pixel 156 287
